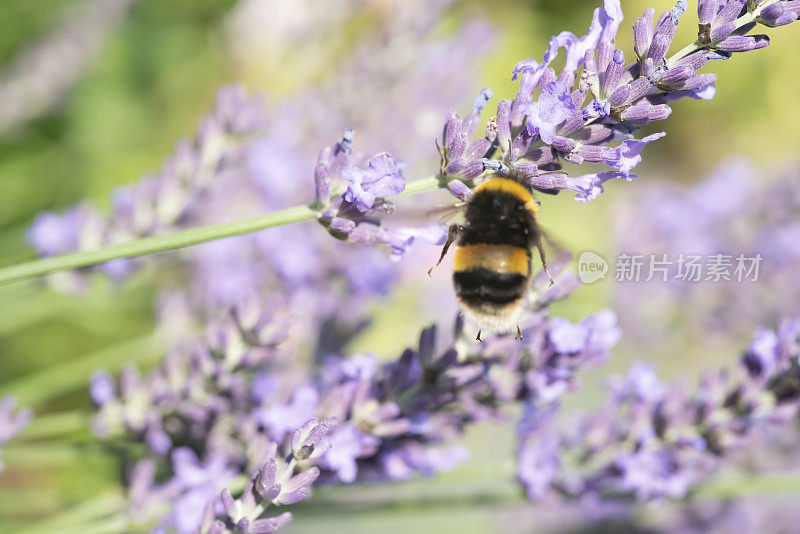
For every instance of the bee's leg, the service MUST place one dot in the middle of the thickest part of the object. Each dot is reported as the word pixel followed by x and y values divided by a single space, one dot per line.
pixel 519 334
pixel 540 248
pixel 452 235
pixel 478 337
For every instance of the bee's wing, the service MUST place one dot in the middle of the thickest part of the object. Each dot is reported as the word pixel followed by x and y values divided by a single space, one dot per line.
pixel 446 213
pixel 442 213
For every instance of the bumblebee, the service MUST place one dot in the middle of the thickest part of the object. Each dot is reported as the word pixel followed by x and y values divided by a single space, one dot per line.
pixel 492 259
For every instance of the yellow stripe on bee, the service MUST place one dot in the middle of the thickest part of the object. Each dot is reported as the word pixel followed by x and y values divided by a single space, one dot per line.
pixel 498 258
pixel 510 186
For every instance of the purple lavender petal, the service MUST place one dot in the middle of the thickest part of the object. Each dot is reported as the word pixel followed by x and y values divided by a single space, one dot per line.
pixel 553 107
pixel 643 33
pixel 382 178
pixel 102 388
pixel 626 156
pixel 589 186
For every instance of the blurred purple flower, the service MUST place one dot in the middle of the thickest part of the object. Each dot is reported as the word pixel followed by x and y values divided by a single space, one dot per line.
pixel 348 445
pixel 655 440
pixel 737 211
pixel 11 424
pixel 101 388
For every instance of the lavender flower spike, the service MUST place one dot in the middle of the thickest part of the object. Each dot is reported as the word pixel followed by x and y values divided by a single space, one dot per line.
pixel 274 483
pixel 657 440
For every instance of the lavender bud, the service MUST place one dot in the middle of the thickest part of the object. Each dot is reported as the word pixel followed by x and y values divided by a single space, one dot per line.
pixel 695 61
pixel 541 156
pixel 665 28
pixel 452 127
pixel 701 80
pixel 265 483
pixel 592 153
pixel 620 96
pixel 527 169
pixel 613 73
pixel 342 225
pixel 676 76
pixel 706 10
pixel 503 124
pixel 457 146
pixel 577 120
pixel 521 143
pixel 291 497
pixel 563 144
pixel 322 176
pixel 366 233
pixel 729 12
pixel 659 48
pixel 459 189
pixel 270 525
pixel 639 88
pixel 477 149
pixel 645 112
pixel 719 33
pixel 605 51
pixel 593 133
pixel 643 32
pixel 297 488
pixel 775 15
pixel 738 43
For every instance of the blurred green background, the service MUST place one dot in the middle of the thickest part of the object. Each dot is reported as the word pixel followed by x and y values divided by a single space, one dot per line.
pixel 155 74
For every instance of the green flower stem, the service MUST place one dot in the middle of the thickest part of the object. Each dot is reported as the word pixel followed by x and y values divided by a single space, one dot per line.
pixel 57 424
pixel 180 239
pixel 59 379
pixel 741 485
pixel 421 186
pixel 30 307
pixel 52 454
pixel 89 515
